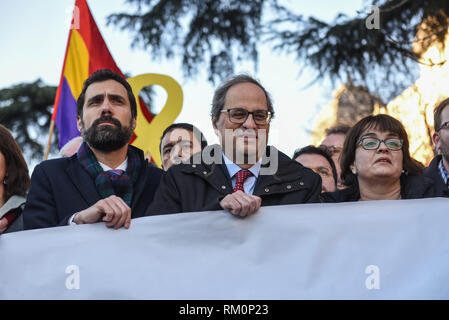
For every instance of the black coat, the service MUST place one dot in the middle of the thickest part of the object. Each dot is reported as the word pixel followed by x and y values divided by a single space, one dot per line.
pixel 433 173
pixel 200 187
pixel 412 187
pixel 62 187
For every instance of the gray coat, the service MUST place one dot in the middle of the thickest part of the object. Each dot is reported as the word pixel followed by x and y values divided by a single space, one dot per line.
pixel 13 203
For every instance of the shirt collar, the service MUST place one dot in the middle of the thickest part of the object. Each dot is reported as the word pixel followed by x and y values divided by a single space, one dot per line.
pixel 443 173
pixel 122 166
pixel 233 168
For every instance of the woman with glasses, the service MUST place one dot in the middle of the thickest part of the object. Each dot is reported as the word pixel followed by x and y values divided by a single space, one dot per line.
pixel 376 164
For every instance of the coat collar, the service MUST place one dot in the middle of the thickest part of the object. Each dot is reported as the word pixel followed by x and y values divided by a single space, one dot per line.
pixel 79 176
pixel 216 174
pixel 12 203
pixel 88 191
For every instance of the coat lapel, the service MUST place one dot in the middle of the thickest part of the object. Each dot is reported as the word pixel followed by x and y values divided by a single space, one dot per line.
pixel 82 181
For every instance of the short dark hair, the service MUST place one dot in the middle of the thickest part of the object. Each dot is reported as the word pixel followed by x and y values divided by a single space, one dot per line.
pixel 17 179
pixel 219 99
pixel 437 113
pixel 322 151
pixel 188 127
pixel 100 76
pixel 384 123
pixel 338 129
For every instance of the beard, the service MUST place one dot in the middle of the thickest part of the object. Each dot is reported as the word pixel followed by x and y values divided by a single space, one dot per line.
pixel 107 138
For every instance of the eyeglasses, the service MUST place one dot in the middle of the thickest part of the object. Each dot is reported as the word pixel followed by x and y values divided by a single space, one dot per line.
pixel 445 125
pixel 239 116
pixel 369 143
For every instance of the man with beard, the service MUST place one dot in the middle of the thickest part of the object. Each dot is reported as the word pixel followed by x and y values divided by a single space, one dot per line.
pixel 107 180
pixel 242 173
pixel 439 166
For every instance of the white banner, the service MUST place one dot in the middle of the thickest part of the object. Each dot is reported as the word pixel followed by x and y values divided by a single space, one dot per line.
pixel 367 250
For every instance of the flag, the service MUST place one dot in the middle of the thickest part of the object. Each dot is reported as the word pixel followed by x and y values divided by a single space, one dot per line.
pixel 86 52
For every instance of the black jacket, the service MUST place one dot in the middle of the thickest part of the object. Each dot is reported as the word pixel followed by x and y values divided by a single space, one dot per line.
pixel 61 187
pixel 412 187
pixel 200 187
pixel 433 173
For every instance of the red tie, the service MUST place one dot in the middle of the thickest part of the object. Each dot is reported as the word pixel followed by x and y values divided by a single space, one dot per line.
pixel 242 175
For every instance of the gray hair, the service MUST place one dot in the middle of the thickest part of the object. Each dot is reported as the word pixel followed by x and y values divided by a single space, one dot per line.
pixel 219 99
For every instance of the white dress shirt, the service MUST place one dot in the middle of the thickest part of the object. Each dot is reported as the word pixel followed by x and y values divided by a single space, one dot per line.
pixel 250 182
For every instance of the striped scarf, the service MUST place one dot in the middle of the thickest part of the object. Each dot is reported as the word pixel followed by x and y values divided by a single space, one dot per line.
pixel 110 183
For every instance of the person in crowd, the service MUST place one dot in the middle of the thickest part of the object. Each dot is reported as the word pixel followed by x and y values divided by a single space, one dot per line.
pixel 107 180
pixel 320 161
pixel 335 137
pixel 439 166
pixel 179 142
pixel 376 164
pixel 242 172
pixel 71 147
pixel 14 183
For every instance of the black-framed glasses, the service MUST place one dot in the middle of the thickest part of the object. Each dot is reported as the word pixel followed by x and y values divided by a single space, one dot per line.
pixel 370 143
pixel 239 115
pixel 444 125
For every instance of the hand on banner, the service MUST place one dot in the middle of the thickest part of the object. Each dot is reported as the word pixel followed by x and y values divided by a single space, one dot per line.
pixel 241 204
pixel 112 210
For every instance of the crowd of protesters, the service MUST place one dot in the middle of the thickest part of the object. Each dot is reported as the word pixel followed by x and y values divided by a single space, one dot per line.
pixel 101 178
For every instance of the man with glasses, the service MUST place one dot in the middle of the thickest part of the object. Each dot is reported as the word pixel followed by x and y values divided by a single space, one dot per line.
pixel 320 161
pixel 335 138
pixel 439 166
pixel 241 173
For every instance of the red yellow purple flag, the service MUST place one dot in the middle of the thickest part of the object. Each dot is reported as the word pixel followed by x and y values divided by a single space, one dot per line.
pixel 86 52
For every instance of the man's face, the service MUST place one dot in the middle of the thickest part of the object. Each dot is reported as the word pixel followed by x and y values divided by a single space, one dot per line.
pixel 178 145
pixel 335 143
pixel 321 166
pixel 246 142
pixel 441 138
pixel 106 122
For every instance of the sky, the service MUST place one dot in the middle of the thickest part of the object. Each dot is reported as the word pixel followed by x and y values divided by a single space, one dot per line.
pixel 34 37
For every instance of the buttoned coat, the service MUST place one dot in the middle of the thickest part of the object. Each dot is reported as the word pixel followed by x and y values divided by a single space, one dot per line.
pixel 200 186
pixel 62 187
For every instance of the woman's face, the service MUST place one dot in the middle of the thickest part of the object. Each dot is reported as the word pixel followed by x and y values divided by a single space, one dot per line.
pixel 381 163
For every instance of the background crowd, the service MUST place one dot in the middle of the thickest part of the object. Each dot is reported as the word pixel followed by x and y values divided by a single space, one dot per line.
pixel 101 178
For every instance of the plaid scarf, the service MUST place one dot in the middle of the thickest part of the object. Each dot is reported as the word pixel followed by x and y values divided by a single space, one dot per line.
pixel 110 183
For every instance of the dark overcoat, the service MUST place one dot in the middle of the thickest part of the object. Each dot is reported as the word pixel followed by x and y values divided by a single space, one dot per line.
pixel 62 187
pixel 201 186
